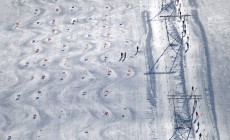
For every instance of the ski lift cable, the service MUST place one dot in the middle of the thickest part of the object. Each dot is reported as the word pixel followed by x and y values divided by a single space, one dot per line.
pixel 161 11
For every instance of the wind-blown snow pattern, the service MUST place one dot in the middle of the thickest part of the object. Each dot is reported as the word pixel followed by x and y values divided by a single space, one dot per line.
pixel 110 70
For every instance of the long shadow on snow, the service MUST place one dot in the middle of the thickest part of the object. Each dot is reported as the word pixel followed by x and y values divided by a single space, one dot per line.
pixel 150 62
pixel 193 3
pixel 209 78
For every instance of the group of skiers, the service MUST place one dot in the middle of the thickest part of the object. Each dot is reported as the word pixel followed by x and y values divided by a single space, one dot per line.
pixel 123 55
pixel 196 116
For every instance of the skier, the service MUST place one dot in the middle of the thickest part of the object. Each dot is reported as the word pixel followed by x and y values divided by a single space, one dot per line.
pixel 121 56
pixel 35 116
pixel 197 116
pixel 195 102
pixel 193 109
pixel 137 50
pixel 200 136
pixel 106 113
pixel 37 50
pixel 124 57
pixel 184 29
pixel 73 21
pixel 187 43
pixel 18 97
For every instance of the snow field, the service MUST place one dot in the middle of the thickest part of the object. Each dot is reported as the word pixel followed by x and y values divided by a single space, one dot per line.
pixel 62 78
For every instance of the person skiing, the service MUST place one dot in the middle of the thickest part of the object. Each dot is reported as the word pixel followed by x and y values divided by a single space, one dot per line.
pixel 200 135
pixel 121 56
pixel 197 116
pixel 35 116
pixel 124 57
pixel 184 29
pixel 137 50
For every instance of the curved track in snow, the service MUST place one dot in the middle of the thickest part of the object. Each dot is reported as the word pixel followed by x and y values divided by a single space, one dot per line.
pixel 61 77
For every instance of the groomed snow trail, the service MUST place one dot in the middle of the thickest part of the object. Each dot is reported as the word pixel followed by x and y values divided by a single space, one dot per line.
pixel 182 74
pixel 214 22
pixel 63 75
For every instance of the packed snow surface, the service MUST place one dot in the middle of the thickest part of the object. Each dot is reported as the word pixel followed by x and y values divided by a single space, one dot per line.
pixel 114 70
